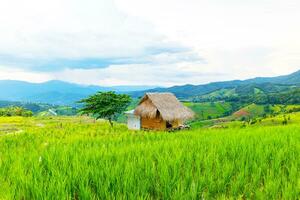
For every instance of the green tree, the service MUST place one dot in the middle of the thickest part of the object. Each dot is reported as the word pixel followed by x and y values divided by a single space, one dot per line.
pixel 267 108
pixel 15 111
pixel 106 105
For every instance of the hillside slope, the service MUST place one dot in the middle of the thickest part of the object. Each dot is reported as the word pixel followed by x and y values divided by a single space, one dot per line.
pixel 271 83
pixel 243 91
pixel 62 93
pixel 53 92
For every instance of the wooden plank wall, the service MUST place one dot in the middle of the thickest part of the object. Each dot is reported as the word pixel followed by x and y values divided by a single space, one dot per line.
pixel 156 123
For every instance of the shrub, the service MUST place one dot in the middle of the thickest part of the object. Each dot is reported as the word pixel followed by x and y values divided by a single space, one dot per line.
pixel 15 111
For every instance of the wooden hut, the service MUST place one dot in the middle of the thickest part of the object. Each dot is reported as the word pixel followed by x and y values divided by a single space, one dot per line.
pixel 161 111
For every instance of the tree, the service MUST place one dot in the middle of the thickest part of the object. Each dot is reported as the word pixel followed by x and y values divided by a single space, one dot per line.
pixel 285 121
pixel 15 111
pixel 267 108
pixel 106 105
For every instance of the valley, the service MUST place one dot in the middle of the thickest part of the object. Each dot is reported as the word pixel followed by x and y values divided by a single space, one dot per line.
pixel 243 143
pixel 149 100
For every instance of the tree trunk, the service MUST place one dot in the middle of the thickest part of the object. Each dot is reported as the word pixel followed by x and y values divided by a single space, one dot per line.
pixel 111 123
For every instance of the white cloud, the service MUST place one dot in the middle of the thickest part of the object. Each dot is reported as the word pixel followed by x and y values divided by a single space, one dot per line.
pixel 14 73
pixel 245 38
pixel 71 29
pixel 141 74
pixel 223 40
pixel 216 24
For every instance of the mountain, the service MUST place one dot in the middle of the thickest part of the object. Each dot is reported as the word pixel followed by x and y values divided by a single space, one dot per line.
pixel 243 91
pixel 63 93
pixel 269 84
pixel 291 79
pixel 54 92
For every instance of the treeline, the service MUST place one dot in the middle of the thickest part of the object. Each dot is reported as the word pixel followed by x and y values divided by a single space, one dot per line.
pixel 15 111
pixel 289 97
pixel 34 107
pixel 42 108
pixel 286 98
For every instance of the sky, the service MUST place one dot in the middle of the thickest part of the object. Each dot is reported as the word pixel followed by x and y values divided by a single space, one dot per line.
pixel 142 42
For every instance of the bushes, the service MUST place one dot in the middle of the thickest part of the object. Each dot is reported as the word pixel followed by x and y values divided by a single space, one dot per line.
pixel 15 111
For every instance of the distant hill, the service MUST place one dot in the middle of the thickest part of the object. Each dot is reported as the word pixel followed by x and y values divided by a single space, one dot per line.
pixel 273 84
pixel 34 107
pixel 41 109
pixel 291 79
pixel 63 93
pixel 54 92
pixel 250 111
pixel 243 90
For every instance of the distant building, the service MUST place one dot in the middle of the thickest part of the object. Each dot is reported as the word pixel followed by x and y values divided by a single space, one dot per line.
pixel 158 111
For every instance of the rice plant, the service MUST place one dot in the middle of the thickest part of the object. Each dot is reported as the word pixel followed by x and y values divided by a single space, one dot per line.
pixel 77 158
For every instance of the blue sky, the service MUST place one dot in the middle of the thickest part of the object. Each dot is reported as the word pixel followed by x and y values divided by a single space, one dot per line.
pixel 139 42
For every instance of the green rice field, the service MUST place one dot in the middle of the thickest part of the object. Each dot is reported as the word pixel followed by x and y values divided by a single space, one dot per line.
pixel 209 110
pixel 78 158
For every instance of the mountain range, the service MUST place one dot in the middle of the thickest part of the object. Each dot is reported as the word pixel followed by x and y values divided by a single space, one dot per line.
pixel 268 84
pixel 55 92
pixel 63 93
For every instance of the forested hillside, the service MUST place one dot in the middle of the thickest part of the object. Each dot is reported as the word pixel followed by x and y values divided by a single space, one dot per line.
pixel 253 93
pixel 41 109
pixel 267 85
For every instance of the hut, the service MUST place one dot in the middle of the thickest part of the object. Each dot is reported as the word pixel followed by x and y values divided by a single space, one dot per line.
pixel 159 111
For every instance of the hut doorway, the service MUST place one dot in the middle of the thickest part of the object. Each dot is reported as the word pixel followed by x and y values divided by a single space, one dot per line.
pixel 169 125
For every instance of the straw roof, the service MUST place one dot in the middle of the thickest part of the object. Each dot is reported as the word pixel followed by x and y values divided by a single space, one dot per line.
pixel 165 104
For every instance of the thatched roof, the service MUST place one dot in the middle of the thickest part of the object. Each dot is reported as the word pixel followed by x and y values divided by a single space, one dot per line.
pixel 166 104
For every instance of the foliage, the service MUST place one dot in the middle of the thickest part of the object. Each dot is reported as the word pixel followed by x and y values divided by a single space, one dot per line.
pixel 262 94
pixel 34 107
pixel 74 158
pixel 242 88
pixel 133 104
pixel 15 111
pixel 287 97
pixel 210 110
pixel 276 119
pixel 107 105
pixel 41 109
pixel 59 110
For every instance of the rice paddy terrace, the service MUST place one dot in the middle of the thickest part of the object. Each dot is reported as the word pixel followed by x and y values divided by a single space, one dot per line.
pixel 78 158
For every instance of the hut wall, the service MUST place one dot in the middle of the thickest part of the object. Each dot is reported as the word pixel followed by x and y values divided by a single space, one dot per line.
pixel 153 123
pixel 133 122
pixel 176 123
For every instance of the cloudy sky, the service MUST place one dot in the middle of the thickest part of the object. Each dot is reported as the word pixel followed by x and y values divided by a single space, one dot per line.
pixel 142 42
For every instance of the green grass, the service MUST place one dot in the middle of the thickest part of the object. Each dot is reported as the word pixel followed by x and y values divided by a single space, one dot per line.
pixel 208 110
pixel 269 120
pixel 221 93
pixel 75 158
pixel 252 110
pixel 255 110
pixel 257 91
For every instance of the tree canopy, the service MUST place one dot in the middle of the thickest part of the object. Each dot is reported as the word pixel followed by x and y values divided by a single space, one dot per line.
pixel 106 105
pixel 15 111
